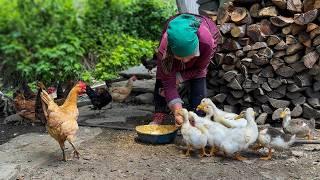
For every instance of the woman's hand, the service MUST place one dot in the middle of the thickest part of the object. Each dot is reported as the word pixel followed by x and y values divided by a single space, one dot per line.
pixel 178 118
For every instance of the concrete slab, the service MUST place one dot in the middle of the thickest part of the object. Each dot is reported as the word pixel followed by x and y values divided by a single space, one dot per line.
pixel 29 151
pixel 141 86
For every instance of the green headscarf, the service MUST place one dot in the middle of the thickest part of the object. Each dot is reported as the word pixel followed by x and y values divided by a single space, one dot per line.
pixel 182 35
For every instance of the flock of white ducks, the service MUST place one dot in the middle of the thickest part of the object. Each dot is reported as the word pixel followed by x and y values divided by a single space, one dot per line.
pixel 231 133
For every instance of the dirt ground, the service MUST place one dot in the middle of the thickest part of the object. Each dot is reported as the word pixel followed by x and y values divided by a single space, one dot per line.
pixel 115 154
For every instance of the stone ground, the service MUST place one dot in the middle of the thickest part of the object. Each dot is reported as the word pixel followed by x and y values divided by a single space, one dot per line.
pixel 107 153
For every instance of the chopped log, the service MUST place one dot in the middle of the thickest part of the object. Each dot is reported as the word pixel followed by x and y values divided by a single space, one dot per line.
pixel 274 83
pixel 291 40
pixel 318 49
pixel 234 84
pixel 310 59
pixel 316 41
pixel 299 101
pixel 311 27
pixel 266 108
pixel 293 95
pixel 294 48
pixel 228 67
pixel 294 88
pixel 281 46
pixel 261 119
pixel 305 18
pixel 220 97
pixel 315 70
pixel 314 33
pixel 267 28
pixel 279 103
pixel 303 79
pixel 223 15
pixel 231 45
pixel 282 4
pixel 244 41
pixel 276 63
pixel 249 84
pixel 314 102
pixel 259 60
pixel 276 114
pixel 246 48
pixel 266 52
pixel 250 54
pixel 238 31
pixel 254 32
pixel 259 45
pixel 254 10
pixel 296 29
pixel 229 59
pixel 270 11
pixel 273 40
pixel 228 76
pixel 240 15
pixel 309 112
pixel 279 54
pixel 286 30
pixel 240 53
pixel 309 49
pixel 281 21
pixel 294 5
pixel 316 86
pixel 310 93
pixel 266 87
pixel 293 58
pixel 240 78
pixel 219 58
pixel 308 5
pixel 275 95
pixel 285 71
pixel 297 111
pixel 226 27
pixel 304 38
pixel 298 66
pixel 267 72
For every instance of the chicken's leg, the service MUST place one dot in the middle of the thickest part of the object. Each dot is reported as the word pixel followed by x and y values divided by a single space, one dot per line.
pixel 213 150
pixel 75 152
pixel 310 136
pixel 64 158
pixel 239 157
pixel 203 152
pixel 188 150
pixel 269 155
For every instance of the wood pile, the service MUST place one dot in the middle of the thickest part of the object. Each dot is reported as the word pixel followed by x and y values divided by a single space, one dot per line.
pixel 268 57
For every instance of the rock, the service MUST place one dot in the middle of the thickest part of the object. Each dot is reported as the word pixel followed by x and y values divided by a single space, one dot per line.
pixel 266 109
pixel 314 102
pixel 309 112
pixel 297 111
pixel 220 97
pixel 262 118
pixel 13 119
pixel 274 83
pixel 292 160
pixel 297 153
pixel 279 103
pixel 139 86
pixel 146 98
pixel 300 100
pixel 140 71
pixel 276 114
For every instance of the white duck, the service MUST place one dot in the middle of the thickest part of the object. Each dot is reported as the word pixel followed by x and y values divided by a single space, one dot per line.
pixel 213 130
pixel 272 138
pixel 300 127
pixel 238 139
pixel 194 137
pixel 231 120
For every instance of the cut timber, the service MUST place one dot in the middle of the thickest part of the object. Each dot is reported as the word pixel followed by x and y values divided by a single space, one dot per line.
pixel 254 10
pixel 305 18
pixel 315 32
pixel 281 21
pixel 254 32
pixel 241 15
pixel 223 15
pixel 318 49
pixel 285 71
pixel 282 4
pixel 276 63
pixel 273 40
pixel 267 28
pixel 294 5
pixel 259 60
pixel 244 41
pixel 296 29
pixel 291 40
pixel 228 67
pixel 294 48
pixel 293 58
pixel 259 45
pixel 231 45
pixel 316 41
pixel 279 54
pixel 226 27
pixel 266 52
pixel 270 11
pixel 281 46
pixel 286 30
pixel 219 57
pixel 311 27
pixel 305 39
pixel 240 53
pixel 310 59
pixel 309 49
pixel 238 31
pixel 229 59
pixel 309 5
pixel 228 76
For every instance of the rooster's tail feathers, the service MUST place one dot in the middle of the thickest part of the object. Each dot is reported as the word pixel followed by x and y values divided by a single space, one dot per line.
pixel 45 97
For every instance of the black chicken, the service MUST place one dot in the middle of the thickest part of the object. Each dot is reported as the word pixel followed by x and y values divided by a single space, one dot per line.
pixel 100 97
pixel 149 63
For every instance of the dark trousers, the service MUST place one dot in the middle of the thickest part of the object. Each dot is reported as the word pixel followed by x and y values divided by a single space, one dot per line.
pixel 197 91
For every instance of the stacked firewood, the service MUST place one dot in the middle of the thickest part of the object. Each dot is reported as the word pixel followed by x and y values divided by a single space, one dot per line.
pixel 268 57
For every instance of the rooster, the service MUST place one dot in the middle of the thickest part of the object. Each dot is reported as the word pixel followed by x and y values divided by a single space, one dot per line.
pixel 99 97
pixel 62 120
pixel 149 63
pixel 119 94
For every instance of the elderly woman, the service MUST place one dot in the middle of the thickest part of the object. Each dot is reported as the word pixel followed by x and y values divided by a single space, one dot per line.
pixel 187 45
